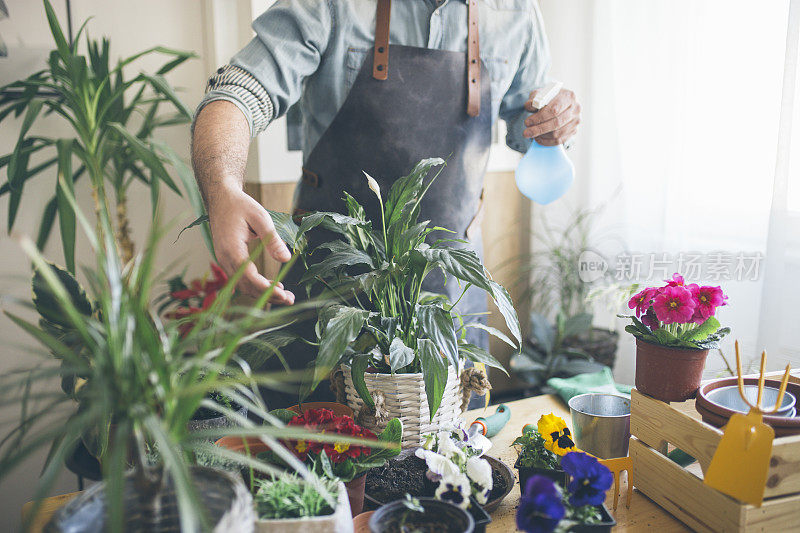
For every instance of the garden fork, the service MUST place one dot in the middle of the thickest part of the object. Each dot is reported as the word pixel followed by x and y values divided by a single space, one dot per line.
pixel 617 466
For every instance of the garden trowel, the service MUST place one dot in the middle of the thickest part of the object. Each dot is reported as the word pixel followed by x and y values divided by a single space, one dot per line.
pixel 491 425
pixel 740 465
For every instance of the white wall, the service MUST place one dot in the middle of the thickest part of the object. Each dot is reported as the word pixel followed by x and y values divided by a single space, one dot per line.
pixel 132 26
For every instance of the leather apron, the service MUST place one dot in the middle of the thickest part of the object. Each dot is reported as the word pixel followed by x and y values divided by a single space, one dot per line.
pixel 406 104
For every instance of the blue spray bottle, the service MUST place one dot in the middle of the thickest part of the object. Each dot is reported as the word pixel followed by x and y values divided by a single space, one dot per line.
pixel 545 172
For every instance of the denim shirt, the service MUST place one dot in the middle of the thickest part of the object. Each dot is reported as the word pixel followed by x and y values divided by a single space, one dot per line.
pixel 310 51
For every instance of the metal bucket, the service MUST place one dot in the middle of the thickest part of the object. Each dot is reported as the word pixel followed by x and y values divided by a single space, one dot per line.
pixel 601 424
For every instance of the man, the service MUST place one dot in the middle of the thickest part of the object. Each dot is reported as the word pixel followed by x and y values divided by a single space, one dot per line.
pixel 380 85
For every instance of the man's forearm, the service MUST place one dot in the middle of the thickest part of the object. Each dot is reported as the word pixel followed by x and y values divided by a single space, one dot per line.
pixel 220 142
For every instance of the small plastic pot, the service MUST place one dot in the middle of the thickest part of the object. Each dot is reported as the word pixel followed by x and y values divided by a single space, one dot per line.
pixel 437 516
pixel 558 476
pixel 606 523
pixel 355 492
pixel 668 374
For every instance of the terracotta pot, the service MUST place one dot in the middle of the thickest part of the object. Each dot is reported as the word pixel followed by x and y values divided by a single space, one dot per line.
pixel 668 374
pixel 339 409
pixel 361 522
pixel 355 491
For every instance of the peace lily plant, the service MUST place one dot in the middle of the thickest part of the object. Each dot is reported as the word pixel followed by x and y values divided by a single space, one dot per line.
pixel 384 321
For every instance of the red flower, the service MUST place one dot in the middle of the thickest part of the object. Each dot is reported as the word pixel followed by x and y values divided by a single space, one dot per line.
pixel 642 300
pixel 649 319
pixel 219 281
pixel 676 281
pixel 674 304
pixel 184 294
pixel 706 300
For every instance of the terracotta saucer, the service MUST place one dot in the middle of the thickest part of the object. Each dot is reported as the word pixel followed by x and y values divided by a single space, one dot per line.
pixel 718 416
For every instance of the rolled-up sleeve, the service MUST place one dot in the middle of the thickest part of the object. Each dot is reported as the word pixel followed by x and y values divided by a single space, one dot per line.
pixel 531 74
pixel 266 77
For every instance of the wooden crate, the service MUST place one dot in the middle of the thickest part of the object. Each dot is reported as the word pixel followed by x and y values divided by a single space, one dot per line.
pixel 655 425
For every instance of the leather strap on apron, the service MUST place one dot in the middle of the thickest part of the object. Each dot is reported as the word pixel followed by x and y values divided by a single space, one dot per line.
pixel 380 62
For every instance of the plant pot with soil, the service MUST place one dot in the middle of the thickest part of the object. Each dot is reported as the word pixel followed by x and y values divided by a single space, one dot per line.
pixel 674 326
pixel 287 504
pixel 541 448
pixel 578 506
pixel 396 351
pixel 426 515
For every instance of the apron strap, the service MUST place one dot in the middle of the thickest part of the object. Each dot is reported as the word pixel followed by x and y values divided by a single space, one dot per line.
pixel 473 62
pixel 380 63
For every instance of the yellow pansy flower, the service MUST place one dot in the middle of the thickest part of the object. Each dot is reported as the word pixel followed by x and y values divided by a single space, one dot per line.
pixel 556 434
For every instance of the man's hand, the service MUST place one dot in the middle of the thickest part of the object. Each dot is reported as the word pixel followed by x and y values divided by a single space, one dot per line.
pixel 556 122
pixel 220 141
pixel 236 219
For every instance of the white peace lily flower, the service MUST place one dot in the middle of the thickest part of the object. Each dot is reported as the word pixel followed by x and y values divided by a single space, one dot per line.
pixel 373 185
pixel 438 464
pixel 455 490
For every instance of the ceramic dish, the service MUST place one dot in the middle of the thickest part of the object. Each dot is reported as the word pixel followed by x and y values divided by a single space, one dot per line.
pixel 718 416
pixel 729 397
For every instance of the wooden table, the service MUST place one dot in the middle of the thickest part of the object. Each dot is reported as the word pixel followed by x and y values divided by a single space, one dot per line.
pixel 643 513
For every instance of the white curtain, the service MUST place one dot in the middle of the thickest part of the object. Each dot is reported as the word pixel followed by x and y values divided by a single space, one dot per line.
pixel 687 108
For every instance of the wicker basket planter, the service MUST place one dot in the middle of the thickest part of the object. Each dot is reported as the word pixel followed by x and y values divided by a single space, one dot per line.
pixel 404 397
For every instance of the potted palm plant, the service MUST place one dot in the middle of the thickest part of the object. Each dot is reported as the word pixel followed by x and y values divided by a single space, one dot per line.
pixel 402 351
pixel 674 326
pixel 115 117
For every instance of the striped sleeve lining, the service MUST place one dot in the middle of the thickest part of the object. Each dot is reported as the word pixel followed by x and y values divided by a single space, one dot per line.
pixel 243 85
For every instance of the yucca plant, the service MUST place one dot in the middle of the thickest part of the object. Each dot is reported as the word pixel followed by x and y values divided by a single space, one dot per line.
pixel 383 319
pixel 142 374
pixel 114 117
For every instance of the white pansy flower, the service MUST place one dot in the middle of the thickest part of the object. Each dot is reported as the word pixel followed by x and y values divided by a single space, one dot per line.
pixel 449 448
pixel 373 185
pixel 479 472
pixel 438 464
pixel 455 490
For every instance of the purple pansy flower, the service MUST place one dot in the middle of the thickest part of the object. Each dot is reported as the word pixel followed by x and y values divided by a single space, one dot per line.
pixel 540 507
pixel 590 479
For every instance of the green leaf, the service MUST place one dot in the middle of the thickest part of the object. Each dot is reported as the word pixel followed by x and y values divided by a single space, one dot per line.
pixel 357 369
pixel 408 189
pixel 701 331
pixel 543 332
pixel 460 263
pixel 66 215
pixel 434 374
pixel 147 155
pixel 46 302
pixel 55 29
pixel 160 85
pixel 284 415
pixel 492 331
pixel 393 432
pixel 438 326
pixel 341 330
pixel 503 301
pixel 400 355
pixel 286 228
pixel 577 324
pixel 479 355
pixel 46 224
pixel 335 261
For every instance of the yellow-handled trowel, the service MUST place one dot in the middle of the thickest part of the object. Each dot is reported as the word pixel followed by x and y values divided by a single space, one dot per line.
pixel 740 465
